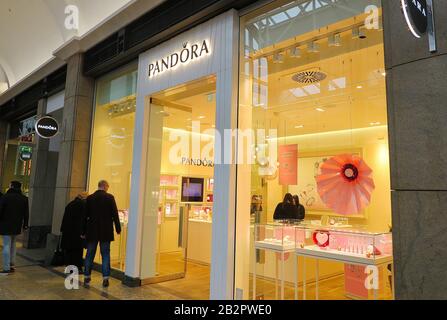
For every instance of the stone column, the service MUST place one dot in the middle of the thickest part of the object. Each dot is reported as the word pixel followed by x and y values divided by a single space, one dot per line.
pixel 417 114
pixel 3 138
pixel 75 144
pixel 41 193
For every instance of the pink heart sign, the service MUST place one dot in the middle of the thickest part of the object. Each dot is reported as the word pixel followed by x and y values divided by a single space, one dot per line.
pixel 321 238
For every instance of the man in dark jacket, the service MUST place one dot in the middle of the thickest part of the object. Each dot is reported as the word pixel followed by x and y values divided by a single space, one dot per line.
pixel 101 214
pixel 14 214
pixel 71 229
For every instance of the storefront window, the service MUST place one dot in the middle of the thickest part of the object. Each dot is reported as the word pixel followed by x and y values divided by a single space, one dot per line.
pixel 112 147
pixel 312 87
pixel 18 153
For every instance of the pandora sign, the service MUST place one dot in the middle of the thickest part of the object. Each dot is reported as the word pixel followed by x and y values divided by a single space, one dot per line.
pixel 184 56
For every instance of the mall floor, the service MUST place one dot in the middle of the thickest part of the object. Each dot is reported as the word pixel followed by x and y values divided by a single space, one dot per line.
pixel 34 281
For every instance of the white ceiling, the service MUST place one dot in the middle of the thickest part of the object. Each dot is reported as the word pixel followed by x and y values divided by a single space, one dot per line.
pixel 31 30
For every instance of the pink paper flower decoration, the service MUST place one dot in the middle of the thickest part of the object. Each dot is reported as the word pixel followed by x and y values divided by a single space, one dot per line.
pixel 345 184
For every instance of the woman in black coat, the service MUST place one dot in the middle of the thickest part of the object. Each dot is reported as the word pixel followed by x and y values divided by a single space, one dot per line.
pixel 286 210
pixel 71 229
pixel 301 209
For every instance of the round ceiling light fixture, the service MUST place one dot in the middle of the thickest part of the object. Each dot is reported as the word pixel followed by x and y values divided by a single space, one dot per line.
pixel 309 76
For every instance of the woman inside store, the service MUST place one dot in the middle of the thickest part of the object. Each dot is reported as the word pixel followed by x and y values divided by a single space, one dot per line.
pixel 286 210
pixel 301 209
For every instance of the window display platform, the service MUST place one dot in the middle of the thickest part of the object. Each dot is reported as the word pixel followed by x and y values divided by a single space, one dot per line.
pixel 315 251
pixel 275 245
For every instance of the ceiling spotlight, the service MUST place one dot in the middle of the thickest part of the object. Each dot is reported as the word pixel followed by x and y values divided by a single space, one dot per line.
pixel 334 40
pixel 359 33
pixel 313 47
pixel 278 58
pixel 359 87
pixel 374 123
pixel 299 127
pixel 320 109
pixel 362 34
pixel 295 52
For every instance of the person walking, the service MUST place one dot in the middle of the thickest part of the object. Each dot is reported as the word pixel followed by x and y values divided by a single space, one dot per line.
pixel 71 229
pixel 101 214
pixel 14 215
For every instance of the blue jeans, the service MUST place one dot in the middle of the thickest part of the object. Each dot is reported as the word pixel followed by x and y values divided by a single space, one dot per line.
pixel 9 252
pixel 104 247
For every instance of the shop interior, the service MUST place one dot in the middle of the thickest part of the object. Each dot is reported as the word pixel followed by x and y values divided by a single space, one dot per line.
pixel 315 75
pixel 18 154
pixel 180 179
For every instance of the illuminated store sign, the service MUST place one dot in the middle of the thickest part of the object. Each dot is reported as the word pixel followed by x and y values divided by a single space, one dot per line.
pixel 25 153
pixel 184 56
pixel 419 17
pixel 47 127
pixel 197 162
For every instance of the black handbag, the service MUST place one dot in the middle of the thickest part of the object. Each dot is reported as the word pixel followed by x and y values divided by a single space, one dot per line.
pixel 58 256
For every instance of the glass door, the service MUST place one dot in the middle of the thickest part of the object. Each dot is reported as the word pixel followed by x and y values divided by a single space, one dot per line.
pixel 179 187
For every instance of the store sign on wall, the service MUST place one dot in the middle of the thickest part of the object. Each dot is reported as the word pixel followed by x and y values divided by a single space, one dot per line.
pixel 420 20
pixel 47 127
pixel 184 56
pixel 197 162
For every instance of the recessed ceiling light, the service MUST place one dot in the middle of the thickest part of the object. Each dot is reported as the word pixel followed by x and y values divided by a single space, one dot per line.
pixel 202 117
pixel 299 127
pixel 384 74
pixel 320 109
pixel 359 87
pixel 374 123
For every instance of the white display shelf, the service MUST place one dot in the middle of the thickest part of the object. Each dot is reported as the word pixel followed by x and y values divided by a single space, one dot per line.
pixel 275 247
pixel 342 256
pixel 200 220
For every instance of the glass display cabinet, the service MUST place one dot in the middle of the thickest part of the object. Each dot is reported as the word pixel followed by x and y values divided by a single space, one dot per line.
pixel 277 241
pixel 353 246
pixel 275 236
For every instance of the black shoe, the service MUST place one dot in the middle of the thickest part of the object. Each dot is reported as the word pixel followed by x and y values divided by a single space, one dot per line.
pixel 87 281
pixel 105 283
pixel 12 270
pixel 5 273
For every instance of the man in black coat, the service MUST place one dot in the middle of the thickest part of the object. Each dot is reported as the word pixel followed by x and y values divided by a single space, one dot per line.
pixel 101 214
pixel 71 229
pixel 14 215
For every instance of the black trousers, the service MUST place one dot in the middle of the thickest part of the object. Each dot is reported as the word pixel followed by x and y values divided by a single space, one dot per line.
pixel 74 257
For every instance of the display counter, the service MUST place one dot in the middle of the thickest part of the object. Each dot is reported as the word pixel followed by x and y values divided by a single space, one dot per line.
pixel 349 245
pixel 199 241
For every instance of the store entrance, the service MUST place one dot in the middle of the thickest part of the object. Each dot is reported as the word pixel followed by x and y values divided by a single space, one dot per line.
pixel 181 175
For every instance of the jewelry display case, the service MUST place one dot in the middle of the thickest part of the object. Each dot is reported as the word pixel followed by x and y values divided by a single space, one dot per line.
pixel 354 246
pixel 277 239
pixel 275 236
